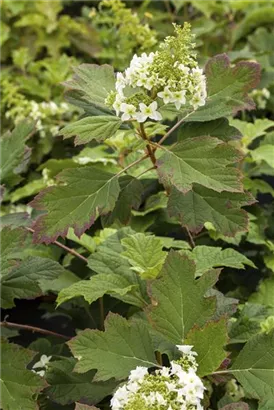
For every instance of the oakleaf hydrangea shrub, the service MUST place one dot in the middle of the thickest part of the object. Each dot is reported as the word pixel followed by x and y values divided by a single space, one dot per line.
pixel 156 176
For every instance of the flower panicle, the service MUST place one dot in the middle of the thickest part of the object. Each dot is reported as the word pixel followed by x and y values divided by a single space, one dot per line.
pixel 168 76
pixel 170 388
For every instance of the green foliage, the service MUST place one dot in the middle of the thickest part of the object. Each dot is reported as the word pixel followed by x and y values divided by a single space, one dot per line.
pixel 179 301
pixel 166 225
pixel 66 386
pixel 87 129
pixel 145 254
pixel 14 153
pixel 254 367
pixel 227 88
pixel 19 386
pixel 82 206
pixel 210 355
pixel 115 352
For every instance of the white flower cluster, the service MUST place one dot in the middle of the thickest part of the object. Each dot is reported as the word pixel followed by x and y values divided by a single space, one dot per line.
pixel 142 88
pixel 171 388
pixel 40 111
pixel 42 364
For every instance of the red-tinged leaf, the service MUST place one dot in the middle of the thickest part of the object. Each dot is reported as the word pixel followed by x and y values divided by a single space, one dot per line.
pixel 87 193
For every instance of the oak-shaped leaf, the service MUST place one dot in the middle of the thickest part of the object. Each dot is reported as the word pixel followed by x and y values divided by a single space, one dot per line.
pixel 208 257
pixel 14 153
pixel 19 386
pixel 97 128
pixel 87 193
pixel 178 300
pixel 202 205
pixel 209 342
pixel 254 367
pixel 206 161
pixel 227 88
pixel 145 254
pixel 115 352
pixel 93 83
pixel 28 279
pixel 67 386
pixel 99 285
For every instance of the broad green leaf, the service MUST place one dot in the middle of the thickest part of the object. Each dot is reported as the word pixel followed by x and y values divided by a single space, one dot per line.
pixel 250 130
pixel 130 197
pixel 88 192
pixel 94 82
pixel 26 280
pixel 254 367
pixel 201 205
pixel 67 386
pixel 15 220
pixel 206 161
pixel 208 257
pixel 209 342
pixel 19 386
pixel 265 292
pixel 145 254
pixel 96 128
pixel 12 241
pixel 264 153
pixel 97 286
pixel 179 301
pixel 227 88
pixel 14 152
pixel 115 352
pixel 219 128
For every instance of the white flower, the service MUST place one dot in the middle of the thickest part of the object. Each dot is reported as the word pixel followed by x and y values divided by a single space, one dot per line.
pixel 178 97
pixel 148 111
pixel 138 374
pixel 164 371
pixel 166 95
pixel 186 349
pixel 44 360
pixel 120 82
pixel 128 111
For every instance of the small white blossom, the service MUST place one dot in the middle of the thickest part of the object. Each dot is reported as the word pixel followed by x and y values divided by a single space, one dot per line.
pixel 44 360
pixel 166 95
pixel 178 97
pixel 138 373
pixel 186 349
pixel 148 111
pixel 128 111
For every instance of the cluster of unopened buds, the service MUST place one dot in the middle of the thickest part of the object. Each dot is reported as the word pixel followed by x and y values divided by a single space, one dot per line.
pixel 170 388
pixel 151 81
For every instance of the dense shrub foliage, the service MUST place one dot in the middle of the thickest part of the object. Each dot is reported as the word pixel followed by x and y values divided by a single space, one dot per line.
pixel 137 165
